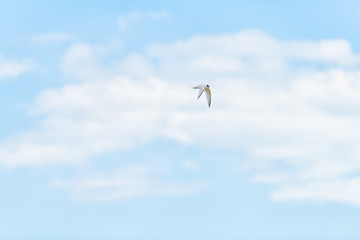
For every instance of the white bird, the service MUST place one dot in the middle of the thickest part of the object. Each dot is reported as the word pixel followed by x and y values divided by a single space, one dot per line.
pixel 205 88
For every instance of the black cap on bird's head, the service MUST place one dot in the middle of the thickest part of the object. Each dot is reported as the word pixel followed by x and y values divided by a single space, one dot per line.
pixel 207 86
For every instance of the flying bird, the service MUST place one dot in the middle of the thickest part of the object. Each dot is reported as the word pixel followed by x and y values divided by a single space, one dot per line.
pixel 205 88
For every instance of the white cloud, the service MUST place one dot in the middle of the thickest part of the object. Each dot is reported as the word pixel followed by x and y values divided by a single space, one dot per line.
pixel 297 124
pixel 52 37
pixel 124 21
pixel 192 165
pixel 11 69
pixel 130 182
pixel 338 190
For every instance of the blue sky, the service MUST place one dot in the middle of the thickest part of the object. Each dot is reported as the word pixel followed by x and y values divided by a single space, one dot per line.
pixel 101 135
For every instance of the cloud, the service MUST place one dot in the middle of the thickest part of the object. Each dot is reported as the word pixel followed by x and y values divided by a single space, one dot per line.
pixel 124 21
pixel 291 107
pixel 338 190
pixel 191 165
pixel 131 182
pixel 52 37
pixel 12 69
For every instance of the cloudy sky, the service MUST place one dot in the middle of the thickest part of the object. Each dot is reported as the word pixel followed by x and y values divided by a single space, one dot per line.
pixel 102 137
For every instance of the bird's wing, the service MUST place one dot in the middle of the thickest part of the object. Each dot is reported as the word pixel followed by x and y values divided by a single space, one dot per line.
pixel 201 90
pixel 208 95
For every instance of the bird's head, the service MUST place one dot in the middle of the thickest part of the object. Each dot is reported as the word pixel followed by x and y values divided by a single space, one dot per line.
pixel 207 86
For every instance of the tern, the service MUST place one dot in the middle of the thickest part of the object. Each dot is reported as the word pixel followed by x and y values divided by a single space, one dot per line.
pixel 205 88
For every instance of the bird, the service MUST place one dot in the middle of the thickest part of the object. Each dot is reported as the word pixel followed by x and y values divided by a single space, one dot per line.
pixel 205 88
